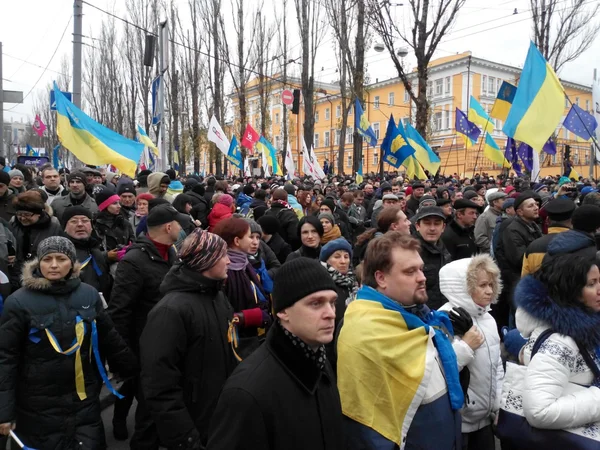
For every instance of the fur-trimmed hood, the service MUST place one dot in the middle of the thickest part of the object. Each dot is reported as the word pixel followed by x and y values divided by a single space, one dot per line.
pixel 39 283
pixel 581 325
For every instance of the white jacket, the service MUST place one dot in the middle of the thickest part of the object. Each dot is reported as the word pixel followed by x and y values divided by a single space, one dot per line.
pixel 557 395
pixel 485 363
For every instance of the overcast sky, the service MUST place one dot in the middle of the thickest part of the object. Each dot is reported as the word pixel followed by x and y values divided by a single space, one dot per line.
pixel 31 30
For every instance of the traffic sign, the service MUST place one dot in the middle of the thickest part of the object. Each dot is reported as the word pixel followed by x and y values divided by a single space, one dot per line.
pixel 53 100
pixel 287 97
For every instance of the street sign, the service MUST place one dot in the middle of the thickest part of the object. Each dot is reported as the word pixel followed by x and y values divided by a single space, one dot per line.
pixel 287 97
pixel 53 100
pixel 12 96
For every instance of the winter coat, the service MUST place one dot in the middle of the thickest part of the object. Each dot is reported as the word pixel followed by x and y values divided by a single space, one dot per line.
pixel 243 203
pixel 7 210
pixel 278 399
pixel 114 231
pixel 515 239
pixel 154 186
pixel 137 288
pixel 561 392
pixel 51 197
pixel 288 223
pixel 60 204
pixel 200 209
pixel 459 241
pixel 305 252
pixel 536 251
pixel 485 363
pixel 574 242
pixel 37 384
pixel 219 212
pixel 185 356
pixel 434 258
pixel 281 248
pixel 265 253
pixel 259 207
pixel 7 240
pixel 484 229
pixel 96 271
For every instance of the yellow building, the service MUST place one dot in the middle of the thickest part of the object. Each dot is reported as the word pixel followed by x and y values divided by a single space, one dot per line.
pixel 452 80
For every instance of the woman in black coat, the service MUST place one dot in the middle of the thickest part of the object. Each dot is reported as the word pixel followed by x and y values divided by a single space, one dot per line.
pixel 51 371
pixel 310 232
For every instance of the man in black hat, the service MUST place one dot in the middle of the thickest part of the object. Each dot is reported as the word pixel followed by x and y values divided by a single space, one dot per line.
pixel 77 196
pixel 559 212
pixel 135 292
pixel 126 193
pixel 430 223
pixel 459 236
pixel 284 395
pixel 418 191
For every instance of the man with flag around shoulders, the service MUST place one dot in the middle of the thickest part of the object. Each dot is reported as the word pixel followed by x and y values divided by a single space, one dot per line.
pixel 391 338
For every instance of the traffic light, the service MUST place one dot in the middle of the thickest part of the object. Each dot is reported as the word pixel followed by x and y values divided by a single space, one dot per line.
pixel 296 103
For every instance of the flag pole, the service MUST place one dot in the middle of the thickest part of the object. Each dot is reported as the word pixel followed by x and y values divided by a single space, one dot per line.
pixel 485 133
pixel 448 155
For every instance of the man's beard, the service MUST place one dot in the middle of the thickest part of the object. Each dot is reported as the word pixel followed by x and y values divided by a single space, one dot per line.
pixel 420 296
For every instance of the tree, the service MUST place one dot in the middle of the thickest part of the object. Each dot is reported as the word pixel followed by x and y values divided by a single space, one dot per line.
pixel 430 21
pixel 282 38
pixel 264 65
pixel 564 30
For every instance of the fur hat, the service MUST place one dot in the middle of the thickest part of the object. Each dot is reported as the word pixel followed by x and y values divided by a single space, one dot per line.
pixel 30 201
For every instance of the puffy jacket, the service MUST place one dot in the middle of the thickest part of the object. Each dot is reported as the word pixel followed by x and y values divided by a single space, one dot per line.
pixel 574 242
pixel 561 392
pixel 219 212
pixel 60 204
pixel 536 251
pixel 185 356
pixel 37 384
pixel 243 203
pixel 485 363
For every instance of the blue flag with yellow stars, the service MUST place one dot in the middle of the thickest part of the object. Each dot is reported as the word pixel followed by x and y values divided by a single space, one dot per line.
pixel 512 155
pixel 526 154
pixel 581 123
pixel 362 124
pixel 467 128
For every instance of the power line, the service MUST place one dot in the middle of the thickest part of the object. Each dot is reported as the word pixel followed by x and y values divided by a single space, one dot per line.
pixel 33 64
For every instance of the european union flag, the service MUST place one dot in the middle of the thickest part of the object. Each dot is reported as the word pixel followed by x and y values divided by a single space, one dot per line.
pixel 395 146
pixel 512 156
pixel 581 123
pixel 466 127
pixel 550 147
pixel 526 154
pixel 362 124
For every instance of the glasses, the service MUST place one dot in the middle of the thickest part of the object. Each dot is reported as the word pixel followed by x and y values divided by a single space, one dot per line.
pixel 84 221
pixel 24 215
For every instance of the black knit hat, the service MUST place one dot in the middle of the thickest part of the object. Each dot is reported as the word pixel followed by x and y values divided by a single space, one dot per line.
pixel 79 176
pixel 4 177
pixel 297 279
pixel 126 187
pixel 329 202
pixel 73 211
pixel 586 218
pixel 269 224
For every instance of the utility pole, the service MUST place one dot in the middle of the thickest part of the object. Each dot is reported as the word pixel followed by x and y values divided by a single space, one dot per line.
pixel 163 49
pixel 77 44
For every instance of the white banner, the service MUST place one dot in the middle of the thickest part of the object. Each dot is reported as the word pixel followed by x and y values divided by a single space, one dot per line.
pixel 246 168
pixel 535 170
pixel 307 166
pixel 289 162
pixel 315 163
pixel 217 135
pixel 265 165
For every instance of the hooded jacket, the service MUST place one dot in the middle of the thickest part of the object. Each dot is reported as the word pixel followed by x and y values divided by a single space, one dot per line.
pixel 243 203
pixel 154 186
pixel 218 213
pixel 485 363
pixel 560 392
pixel 573 241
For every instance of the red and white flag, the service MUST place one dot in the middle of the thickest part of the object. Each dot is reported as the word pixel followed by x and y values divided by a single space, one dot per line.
pixel 250 138
pixel 38 126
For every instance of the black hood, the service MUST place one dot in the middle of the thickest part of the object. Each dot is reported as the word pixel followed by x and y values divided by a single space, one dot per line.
pixel 183 279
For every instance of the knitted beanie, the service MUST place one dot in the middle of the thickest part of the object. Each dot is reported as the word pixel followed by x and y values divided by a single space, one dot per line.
pixel 75 210
pixel 333 246
pixel 57 244
pixel 327 216
pixel 269 224
pixel 297 279
pixel 201 250
pixel 126 187
pixel 329 203
pixel 106 197
pixel 225 199
pixel 4 177
pixel 79 176
pixel 254 227
pixel 586 218
pixel 145 196
pixel 15 173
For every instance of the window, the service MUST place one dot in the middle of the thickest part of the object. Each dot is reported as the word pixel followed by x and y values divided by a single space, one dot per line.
pixel 278 142
pixel 376 129
pixel 577 101
pixel 338 111
pixel 349 135
pixel 587 105
pixel 316 143
pixel 448 120
pixel 349 161
pixel 326 139
pixel 391 99
pixel 554 159
pixel 376 102
pixel 587 157
pixel 491 85
pixel 483 83
pixel 437 121
pixel 576 157
pixel 430 88
pixel 448 85
pixel 405 121
pixel 316 116
pixel 375 158
pixel 439 86
pixel 406 96
pixel 337 137
pixel 277 118
pixel 327 114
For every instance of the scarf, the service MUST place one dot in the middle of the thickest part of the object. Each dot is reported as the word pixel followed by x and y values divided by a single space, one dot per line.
pixel 310 252
pixel 347 281
pixel 332 234
pixel 283 203
pixel 238 260
pixel 317 357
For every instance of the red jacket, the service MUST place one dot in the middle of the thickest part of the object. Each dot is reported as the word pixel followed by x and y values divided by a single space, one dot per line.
pixel 219 212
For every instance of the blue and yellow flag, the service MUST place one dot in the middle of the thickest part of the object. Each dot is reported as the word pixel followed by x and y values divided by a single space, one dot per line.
pixel 234 155
pixel 394 145
pixel 492 152
pixel 359 174
pixel 29 150
pixel 176 160
pixel 91 142
pixel 478 116
pixel 503 102
pixel 414 169
pixel 362 124
pixel 145 139
pixel 539 102
pixel 270 153
pixel 428 159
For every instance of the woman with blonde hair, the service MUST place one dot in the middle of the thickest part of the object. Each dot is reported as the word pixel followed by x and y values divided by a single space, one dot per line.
pixel 471 285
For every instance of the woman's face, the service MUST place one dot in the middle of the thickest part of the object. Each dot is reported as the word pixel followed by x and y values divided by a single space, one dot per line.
pixel 340 261
pixel 245 242
pixel 590 295
pixel 16 181
pixel 478 200
pixel 318 201
pixel 255 243
pixel 484 289
pixel 55 266
pixel 115 208
pixel 309 236
pixel 142 207
pixel 327 226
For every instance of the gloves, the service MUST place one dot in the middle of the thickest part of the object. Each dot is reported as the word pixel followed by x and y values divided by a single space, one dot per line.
pixel 513 341
pixel 461 320
pixel 266 318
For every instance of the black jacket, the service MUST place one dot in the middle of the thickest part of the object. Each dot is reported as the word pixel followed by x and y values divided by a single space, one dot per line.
pixel 288 223
pixel 7 210
pixel 113 231
pixel 200 209
pixel 259 207
pixel 278 399
pixel 37 384
pixel 281 248
pixel 434 258
pixel 96 271
pixel 137 288
pixel 459 241
pixel 515 239
pixel 185 356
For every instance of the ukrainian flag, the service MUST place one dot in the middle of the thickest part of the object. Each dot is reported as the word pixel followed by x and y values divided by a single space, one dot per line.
pixel 492 152
pixel 91 142
pixel 145 139
pixel 362 124
pixel 504 101
pixel 359 174
pixel 538 105
pixel 394 145
pixel 478 116
pixel 270 153
pixel 414 169
pixel 428 159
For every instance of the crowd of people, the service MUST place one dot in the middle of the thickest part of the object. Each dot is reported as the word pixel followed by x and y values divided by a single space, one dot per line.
pixel 265 313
